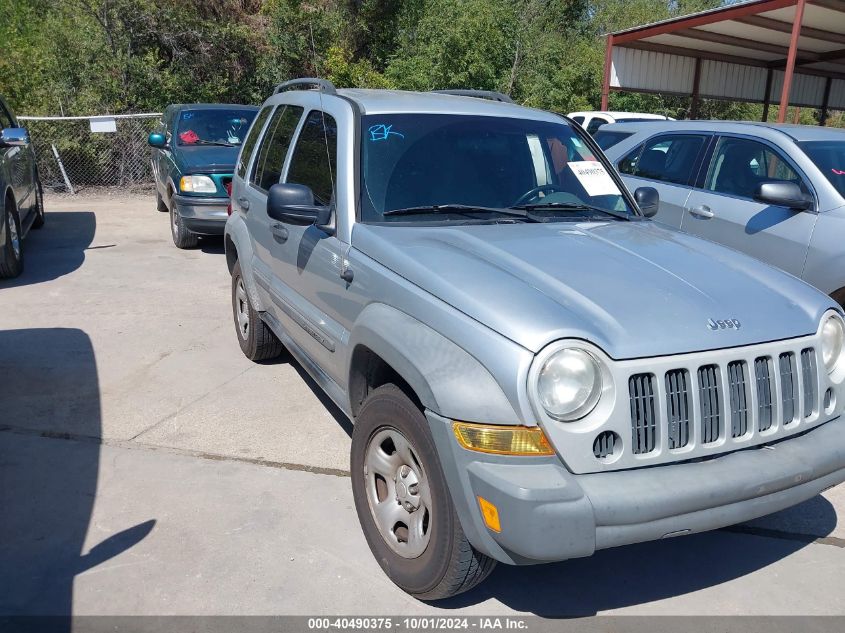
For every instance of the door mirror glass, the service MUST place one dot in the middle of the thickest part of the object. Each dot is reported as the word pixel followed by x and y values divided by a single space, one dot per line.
pixel 14 137
pixel 648 200
pixel 782 194
pixel 294 204
pixel 157 139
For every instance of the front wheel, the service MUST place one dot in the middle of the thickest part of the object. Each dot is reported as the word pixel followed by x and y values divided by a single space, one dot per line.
pixel 403 502
pixel 182 237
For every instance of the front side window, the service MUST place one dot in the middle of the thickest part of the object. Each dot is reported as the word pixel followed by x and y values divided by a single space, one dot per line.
pixel 249 142
pixel 429 167
pixel 671 158
pixel 215 126
pixel 740 164
pixel 314 159
pixel 829 157
pixel 267 168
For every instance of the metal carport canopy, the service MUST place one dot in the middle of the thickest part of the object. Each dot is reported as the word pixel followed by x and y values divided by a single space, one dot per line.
pixel 790 52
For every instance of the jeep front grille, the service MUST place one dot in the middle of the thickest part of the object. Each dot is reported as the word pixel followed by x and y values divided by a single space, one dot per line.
pixel 643 418
pixel 678 407
pixel 728 394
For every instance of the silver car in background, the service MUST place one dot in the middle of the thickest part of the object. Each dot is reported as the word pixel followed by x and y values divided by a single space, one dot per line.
pixel 776 192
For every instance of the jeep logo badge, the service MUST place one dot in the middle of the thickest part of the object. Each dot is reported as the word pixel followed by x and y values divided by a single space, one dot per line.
pixel 727 324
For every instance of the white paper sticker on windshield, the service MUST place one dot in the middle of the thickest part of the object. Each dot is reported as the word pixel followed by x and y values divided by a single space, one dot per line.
pixel 594 178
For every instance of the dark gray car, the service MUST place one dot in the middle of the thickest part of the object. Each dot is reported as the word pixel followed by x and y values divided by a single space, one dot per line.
pixel 776 192
pixel 22 200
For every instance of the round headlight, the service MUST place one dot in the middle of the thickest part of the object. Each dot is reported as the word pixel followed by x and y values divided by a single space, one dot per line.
pixel 569 384
pixel 833 338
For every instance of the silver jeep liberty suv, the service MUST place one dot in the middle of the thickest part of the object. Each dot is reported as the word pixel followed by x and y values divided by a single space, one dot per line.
pixel 535 370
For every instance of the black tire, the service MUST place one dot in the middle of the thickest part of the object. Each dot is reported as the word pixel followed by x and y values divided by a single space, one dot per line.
pixel 39 207
pixel 257 341
pixel 161 205
pixel 182 237
pixel 449 565
pixel 11 264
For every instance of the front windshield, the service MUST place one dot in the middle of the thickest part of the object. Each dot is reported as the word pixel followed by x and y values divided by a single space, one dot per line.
pixel 213 127
pixel 419 161
pixel 829 157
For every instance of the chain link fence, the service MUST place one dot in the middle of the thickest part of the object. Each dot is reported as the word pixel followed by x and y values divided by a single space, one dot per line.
pixel 87 154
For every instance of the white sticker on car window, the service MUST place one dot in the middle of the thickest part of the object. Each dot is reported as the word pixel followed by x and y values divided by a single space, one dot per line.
pixel 594 178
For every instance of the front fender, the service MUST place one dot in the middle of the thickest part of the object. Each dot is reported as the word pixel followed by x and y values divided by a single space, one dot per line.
pixel 446 379
pixel 237 238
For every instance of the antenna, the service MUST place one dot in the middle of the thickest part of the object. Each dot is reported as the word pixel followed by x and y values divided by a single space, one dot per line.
pixel 322 112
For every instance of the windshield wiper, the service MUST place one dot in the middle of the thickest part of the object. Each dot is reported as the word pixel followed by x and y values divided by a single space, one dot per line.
pixel 220 143
pixel 571 206
pixel 463 208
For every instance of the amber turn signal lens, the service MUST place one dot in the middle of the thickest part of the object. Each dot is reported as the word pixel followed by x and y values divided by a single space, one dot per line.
pixel 490 514
pixel 502 440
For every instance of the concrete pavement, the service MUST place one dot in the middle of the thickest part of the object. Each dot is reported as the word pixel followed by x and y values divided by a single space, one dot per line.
pixel 146 467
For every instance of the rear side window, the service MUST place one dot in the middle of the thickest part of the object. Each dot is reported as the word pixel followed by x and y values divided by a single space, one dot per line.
pixel 595 124
pixel 607 139
pixel 672 158
pixel 267 168
pixel 314 160
pixel 251 139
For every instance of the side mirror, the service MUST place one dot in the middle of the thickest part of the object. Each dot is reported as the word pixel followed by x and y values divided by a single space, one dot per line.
pixel 782 193
pixel 294 204
pixel 156 139
pixel 14 137
pixel 648 200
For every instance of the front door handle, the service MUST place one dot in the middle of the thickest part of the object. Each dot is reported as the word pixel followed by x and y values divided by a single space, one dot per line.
pixel 244 202
pixel 280 232
pixel 702 212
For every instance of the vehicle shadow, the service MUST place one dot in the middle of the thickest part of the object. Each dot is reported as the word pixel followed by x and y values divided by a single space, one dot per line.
pixel 642 573
pixel 57 249
pixel 766 219
pixel 212 244
pixel 48 481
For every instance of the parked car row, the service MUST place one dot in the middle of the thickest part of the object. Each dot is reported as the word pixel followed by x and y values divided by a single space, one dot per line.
pixel 535 370
pixel 22 198
pixel 776 192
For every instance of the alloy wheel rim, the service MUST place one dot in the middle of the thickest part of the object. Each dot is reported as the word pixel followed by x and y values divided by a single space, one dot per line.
pixel 398 493
pixel 242 309
pixel 14 235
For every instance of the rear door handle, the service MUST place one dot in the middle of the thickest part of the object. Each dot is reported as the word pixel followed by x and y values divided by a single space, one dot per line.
pixel 702 212
pixel 280 232
pixel 244 202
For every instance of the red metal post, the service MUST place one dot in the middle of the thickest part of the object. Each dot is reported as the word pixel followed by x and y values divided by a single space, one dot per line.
pixel 608 64
pixel 790 60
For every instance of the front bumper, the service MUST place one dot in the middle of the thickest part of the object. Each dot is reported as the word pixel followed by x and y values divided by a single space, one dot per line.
pixel 204 216
pixel 549 514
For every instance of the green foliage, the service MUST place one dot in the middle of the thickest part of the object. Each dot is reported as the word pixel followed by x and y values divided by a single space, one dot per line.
pixel 96 56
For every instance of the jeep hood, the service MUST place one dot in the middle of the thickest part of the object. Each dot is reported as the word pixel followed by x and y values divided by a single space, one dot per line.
pixel 206 159
pixel 634 288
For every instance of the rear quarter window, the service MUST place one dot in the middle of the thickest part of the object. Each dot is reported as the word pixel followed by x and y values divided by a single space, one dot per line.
pixel 607 139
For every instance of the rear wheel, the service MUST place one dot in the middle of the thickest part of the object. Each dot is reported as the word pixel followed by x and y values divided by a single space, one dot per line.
pixel 182 237
pixel 161 205
pixel 11 263
pixel 403 502
pixel 257 341
pixel 39 207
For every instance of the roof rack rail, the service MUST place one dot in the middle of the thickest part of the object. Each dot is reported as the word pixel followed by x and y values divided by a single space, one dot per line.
pixel 492 95
pixel 323 85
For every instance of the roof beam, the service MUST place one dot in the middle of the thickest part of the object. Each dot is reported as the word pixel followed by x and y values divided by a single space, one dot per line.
pixel 786 27
pixel 815 58
pixel 720 57
pixel 739 42
pixel 708 17
pixel 833 5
